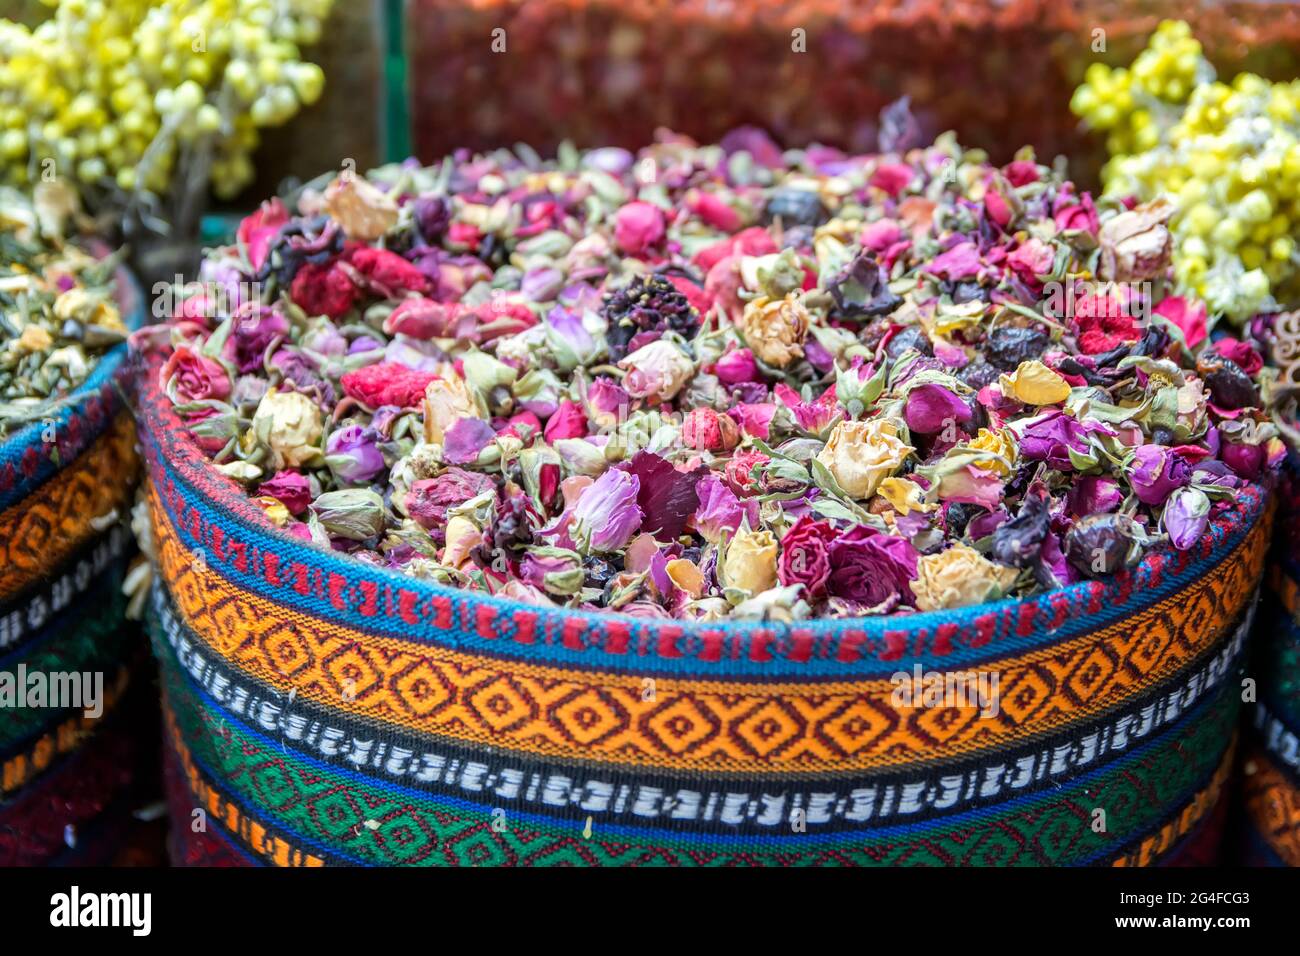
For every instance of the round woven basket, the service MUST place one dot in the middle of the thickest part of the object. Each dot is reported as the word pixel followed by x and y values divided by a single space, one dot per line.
pixel 319 710
pixel 1271 765
pixel 66 486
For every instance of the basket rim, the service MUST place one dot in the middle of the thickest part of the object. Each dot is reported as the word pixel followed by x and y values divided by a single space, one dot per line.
pixel 100 382
pixel 1161 570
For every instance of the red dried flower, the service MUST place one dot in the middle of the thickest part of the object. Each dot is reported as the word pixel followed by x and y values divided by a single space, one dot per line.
pixel 741 472
pixel 323 288
pixel 805 557
pixel 388 270
pixel 707 430
pixel 387 383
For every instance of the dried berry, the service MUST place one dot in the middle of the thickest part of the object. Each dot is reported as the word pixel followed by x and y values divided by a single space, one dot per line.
pixel 1009 345
pixel 1229 386
pixel 978 374
pixel 599 569
pixel 795 207
pixel 911 337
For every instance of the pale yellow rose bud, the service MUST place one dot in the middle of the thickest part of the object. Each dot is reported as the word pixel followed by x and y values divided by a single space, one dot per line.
pixel 289 423
pixel 860 455
pixel 1000 442
pixel 364 211
pixel 958 577
pixel 904 496
pixel 751 562
pixel 776 328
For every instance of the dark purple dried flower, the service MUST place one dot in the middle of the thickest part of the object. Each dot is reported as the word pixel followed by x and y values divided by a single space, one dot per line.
pixel 647 304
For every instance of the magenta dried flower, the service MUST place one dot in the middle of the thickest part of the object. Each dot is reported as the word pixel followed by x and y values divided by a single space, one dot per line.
pixel 639 228
pixel 465 439
pixel 568 421
pixel 720 512
pixel 932 408
pixel 805 556
pixel 291 488
pixel 252 330
pixel 870 568
pixel 1094 494
pixel 736 367
pixel 962 261
pixel 1156 472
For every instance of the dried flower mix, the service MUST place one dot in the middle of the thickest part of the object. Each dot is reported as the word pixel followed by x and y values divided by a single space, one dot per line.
pixel 58 311
pixel 682 385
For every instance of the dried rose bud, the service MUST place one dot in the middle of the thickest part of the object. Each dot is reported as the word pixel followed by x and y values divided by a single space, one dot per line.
pixel 707 430
pixel 1136 245
pixel 1101 544
pixel 775 329
pixel 353 513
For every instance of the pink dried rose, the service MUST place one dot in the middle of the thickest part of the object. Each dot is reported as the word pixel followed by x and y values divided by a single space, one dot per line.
pixel 870 568
pixel 256 231
pixel 1189 317
pixel 962 261
pixel 465 439
pixel 1156 472
pixel 931 408
pixel 742 472
pixel 387 271
pixel 754 418
pixel 1080 216
pixel 1032 259
pixel 737 366
pixel 569 421
pixel 426 319
pixel 813 416
pixel 713 210
pixel 720 512
pixel 892 177
pixel 429 499
pixel 639 228
pixel 1136 245
pixel 291 488
pixel 324 289
pixel 606 515
pixel 191 377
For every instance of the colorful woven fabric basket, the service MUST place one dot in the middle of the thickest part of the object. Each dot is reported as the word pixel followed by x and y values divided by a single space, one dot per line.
pixel 66 487
pixel 1271 764
pixel 323 711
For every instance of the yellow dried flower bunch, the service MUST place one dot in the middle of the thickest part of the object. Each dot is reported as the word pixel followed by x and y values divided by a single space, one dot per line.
pixel 114 91
pixel 1227 153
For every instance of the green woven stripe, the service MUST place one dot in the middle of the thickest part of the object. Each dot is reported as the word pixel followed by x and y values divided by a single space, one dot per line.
pixel 94 642
pixel 376 826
